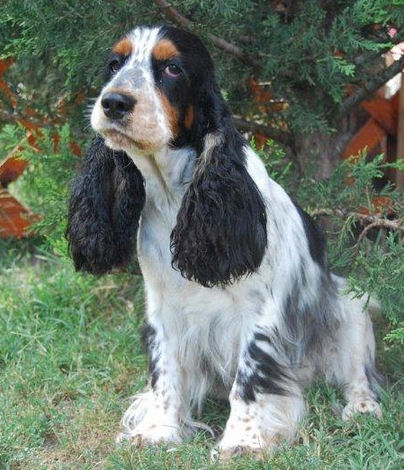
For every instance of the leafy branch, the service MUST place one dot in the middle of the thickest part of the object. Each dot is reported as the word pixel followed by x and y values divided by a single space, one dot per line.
pixel 219 42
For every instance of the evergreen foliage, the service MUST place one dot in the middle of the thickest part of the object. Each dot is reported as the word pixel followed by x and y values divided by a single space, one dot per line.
pixel 308 52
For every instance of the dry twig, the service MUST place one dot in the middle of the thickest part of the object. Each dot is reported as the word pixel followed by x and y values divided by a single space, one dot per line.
pixel 368 221
pixel 278 135
pixel 221 43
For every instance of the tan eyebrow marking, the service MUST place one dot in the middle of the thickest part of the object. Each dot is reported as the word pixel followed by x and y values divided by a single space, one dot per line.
pixel 165 50
pixel 124 46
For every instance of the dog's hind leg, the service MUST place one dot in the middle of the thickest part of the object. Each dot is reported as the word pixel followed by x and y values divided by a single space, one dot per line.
pixel 354 364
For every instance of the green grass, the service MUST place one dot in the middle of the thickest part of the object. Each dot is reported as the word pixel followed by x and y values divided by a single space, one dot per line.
pixel 70 358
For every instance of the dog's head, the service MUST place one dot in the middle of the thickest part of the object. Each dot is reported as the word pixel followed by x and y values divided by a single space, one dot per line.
pixel 156 90
pixel 161 93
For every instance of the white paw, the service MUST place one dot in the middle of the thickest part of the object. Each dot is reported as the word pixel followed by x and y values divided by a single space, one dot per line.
pixel 226 454
pixel 250 443
pixel 151 435
pixel 146 423
pixel 367 405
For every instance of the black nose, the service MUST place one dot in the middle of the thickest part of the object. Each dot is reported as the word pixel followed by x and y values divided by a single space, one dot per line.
pixel 117 105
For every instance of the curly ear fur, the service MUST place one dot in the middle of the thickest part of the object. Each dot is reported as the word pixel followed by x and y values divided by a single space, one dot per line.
pixel 105 205
pixel 220 233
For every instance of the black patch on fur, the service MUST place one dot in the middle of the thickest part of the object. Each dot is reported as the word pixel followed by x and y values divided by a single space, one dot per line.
pixel 105 205
pixel 268 375
pixel 311 322
pixel 262 337
pixel 149 344
pixel 315 238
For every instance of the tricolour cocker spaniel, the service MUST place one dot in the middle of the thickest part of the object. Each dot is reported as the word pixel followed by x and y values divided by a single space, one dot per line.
pixel 239 296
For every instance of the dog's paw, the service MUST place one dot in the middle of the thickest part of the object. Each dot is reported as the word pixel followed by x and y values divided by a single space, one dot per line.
pixel 226 454
pixel 152 436
pixel 367 405
pixel 250 443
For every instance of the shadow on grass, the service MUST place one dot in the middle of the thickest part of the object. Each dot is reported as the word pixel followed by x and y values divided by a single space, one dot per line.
pixel 12 251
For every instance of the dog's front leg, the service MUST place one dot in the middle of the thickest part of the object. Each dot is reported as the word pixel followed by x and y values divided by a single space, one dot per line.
pixel 157 415
pixel 265 399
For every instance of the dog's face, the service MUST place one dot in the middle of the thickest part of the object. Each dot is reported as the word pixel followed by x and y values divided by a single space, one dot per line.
pixel 155 76
pixel 162 94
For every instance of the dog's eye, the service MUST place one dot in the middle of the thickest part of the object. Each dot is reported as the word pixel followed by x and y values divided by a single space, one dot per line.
pixel 172 71
pixel 114 66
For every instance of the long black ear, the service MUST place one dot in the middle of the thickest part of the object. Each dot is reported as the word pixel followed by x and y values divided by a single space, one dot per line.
pixel 220 233
pixel 105 205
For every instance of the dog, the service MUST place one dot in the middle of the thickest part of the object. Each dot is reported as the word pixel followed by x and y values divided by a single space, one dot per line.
pixel 240 299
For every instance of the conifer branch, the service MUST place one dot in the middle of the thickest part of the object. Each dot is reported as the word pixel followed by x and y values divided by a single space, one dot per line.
pixel 279 136
pixel 371 86
pixel 221 43
pixel 370 56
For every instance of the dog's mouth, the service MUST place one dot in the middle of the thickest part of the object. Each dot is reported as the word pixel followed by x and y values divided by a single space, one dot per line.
pixel 119 139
